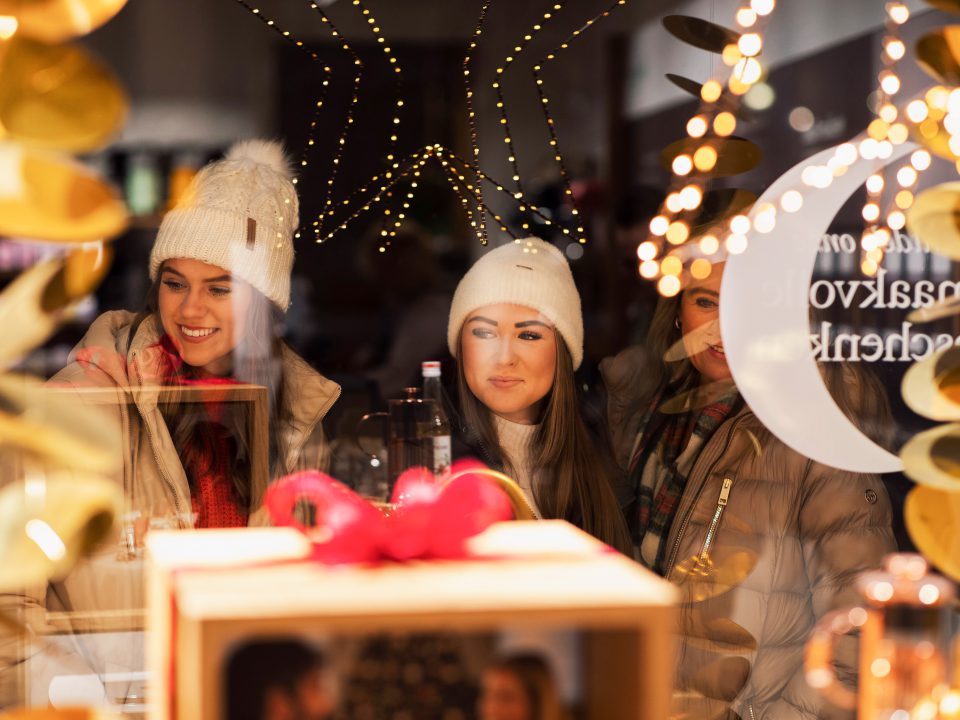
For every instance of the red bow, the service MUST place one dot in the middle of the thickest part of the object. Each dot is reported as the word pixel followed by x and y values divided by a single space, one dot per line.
pixel 431 518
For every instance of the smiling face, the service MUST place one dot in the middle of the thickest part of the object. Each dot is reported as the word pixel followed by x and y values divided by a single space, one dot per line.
pixel 700 323
pixel 509 356
pixel 203 310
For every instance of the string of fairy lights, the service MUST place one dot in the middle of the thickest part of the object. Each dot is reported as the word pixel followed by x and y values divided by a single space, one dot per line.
pixel 468 181
pixel 324 84
pixel 887 130
pixel 932 116
pixel 508 61
pixel 671 227
pixel 477 221
pixel 328 203
pixel 544 102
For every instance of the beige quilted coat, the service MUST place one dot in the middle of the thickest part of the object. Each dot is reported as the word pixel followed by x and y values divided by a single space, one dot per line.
pixel 786 536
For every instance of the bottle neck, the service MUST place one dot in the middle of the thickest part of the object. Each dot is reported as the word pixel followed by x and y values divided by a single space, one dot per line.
pixel 432 389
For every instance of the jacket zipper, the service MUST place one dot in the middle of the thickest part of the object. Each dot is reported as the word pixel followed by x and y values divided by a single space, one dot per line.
pixel 718 513
pixel 753 715
pixel 686 518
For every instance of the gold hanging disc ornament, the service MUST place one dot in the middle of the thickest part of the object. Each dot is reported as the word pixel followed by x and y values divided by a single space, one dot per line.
pixel 932 517
pixel 700 33
pixel 57 429
pixel 40 298
pixel 714 156
pixel 724 102
pixel 932 458
pixel 58 97
pixel 47 525
pixel 44 196
pixel 937 54
pixel 934 219
pixel 931 387
pixel 54 21
pixel 951 6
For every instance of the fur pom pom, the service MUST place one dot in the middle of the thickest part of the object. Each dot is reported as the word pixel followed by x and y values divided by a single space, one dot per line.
pixel 262 152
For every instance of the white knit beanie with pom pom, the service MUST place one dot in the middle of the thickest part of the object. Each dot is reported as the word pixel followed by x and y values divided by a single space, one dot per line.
pixel 240 214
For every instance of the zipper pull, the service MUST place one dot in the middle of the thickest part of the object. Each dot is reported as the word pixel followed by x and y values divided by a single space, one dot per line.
pixel 725 492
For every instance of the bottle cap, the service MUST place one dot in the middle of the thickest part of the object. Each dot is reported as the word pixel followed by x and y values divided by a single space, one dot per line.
pixel 430 368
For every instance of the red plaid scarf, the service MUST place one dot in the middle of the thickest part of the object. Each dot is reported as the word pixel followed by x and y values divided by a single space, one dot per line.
pixel 668 448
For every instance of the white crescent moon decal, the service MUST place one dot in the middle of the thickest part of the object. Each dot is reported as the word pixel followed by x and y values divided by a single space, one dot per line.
pixel 765 325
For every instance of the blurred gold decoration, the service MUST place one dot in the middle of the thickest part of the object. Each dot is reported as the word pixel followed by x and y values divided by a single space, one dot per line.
pixel 46 197
pixel 939 310
pixel 932 517
pixel 40 298
pixel 933 219
pixel 46 525
pixel 54 21
pixel 688 705
pixel 700 33
pixel 937 54
pixel 726 101
pixel 715 631
pixel 932 457
pixel 58 96
pixel 951 6
pixel 701 578
pixel 733 155
pixel 931 133
pixel 931 387
pixel 53 428
pixel 722 679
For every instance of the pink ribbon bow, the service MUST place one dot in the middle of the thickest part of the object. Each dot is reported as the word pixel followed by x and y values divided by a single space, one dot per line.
pixel 432 518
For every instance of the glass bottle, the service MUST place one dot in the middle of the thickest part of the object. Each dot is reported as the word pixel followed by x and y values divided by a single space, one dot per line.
pixel 439 425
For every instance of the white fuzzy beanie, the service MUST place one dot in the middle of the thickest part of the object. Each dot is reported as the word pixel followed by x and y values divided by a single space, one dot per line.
pixel 527 272
pixel 240 214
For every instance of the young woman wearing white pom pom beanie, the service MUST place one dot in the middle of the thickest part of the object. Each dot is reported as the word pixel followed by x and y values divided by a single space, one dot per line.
pixel 516 330
pixel 221 269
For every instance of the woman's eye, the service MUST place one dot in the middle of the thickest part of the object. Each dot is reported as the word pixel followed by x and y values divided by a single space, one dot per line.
pixel 219 291
pixel 173 285
pixel 706 303
pixel 530 335
pixel 482 333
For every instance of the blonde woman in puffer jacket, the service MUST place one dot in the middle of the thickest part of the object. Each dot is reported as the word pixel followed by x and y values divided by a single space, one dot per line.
pixel 762 540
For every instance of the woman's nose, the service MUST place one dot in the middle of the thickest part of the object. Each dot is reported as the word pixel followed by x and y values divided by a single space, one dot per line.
pixel 506 352
pixel 193 304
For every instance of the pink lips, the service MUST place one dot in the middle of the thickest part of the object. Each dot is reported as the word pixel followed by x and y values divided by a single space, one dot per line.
pixel 504 383
pixel 717 353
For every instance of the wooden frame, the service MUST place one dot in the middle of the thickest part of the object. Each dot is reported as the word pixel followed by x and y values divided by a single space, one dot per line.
pixel 198 612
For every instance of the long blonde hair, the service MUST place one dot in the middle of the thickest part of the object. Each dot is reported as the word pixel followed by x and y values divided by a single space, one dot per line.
pixel 579 476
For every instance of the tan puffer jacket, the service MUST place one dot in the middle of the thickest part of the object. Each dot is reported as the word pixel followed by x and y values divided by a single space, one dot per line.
pixel 154 481
pixel 786 536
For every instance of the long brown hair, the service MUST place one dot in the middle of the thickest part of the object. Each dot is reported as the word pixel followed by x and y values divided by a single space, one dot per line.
pixel 256 361
pixel 578 475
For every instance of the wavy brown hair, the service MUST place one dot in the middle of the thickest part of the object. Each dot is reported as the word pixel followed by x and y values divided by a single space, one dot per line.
pixel 576 475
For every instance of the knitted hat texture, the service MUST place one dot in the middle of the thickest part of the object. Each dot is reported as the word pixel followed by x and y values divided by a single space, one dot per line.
pixel 240 214
pixel 527 272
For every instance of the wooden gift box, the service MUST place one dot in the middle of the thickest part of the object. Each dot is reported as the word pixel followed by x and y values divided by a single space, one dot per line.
pixel 210 589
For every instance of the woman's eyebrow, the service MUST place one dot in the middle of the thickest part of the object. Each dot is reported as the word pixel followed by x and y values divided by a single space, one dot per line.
pixel 531 323
pixel 480 318
pixel 218 278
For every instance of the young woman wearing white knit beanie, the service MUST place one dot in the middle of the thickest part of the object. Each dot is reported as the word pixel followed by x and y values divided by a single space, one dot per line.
pixel 516 329
pixel 221 268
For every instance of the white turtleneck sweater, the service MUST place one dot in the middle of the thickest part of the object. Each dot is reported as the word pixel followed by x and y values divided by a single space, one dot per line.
pixel 515 442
